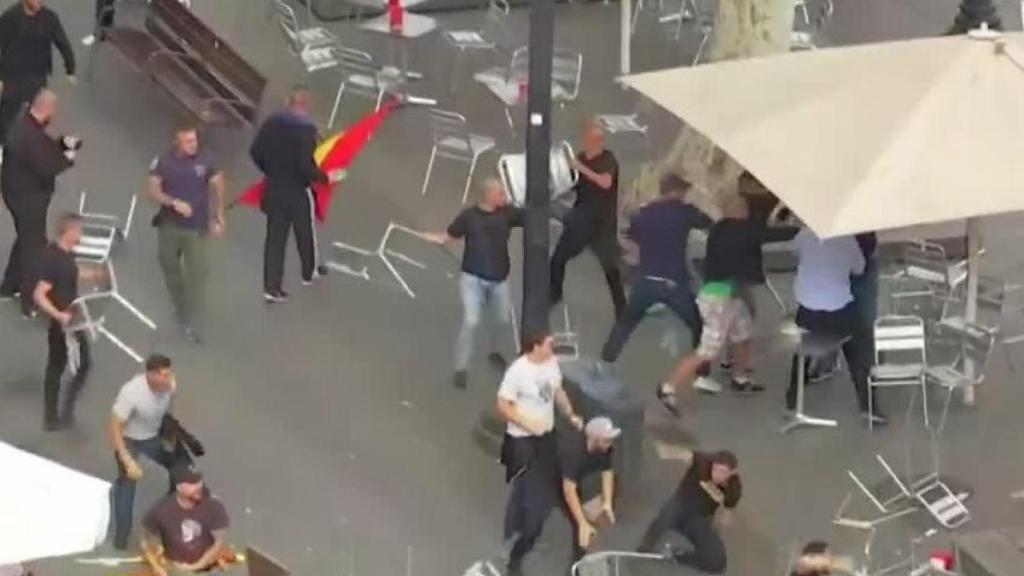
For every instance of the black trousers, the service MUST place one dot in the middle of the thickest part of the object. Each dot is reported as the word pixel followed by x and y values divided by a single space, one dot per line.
pixel 56 362
pixel 16 94
pixel 857 350
pixel 708 553
pixel 583 230
pixel 534 493
pixel 297 218
pixel 29 214
pixel 647 292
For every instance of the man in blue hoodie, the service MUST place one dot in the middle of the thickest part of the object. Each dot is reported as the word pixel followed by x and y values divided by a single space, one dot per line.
pixel 283 151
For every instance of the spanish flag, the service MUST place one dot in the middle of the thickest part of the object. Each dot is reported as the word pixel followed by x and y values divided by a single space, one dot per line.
pixel 335 153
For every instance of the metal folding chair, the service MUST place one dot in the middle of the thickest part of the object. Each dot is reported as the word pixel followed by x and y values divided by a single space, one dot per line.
pixel 301 38
pixel 100 231
pixel 494 33
pixel 1000 309
pixel 609 563
pixel 972 347
pixel 512 171
pixel 453 141
pixel 900 360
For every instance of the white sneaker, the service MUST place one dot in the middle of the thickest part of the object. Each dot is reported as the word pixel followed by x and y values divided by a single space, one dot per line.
pixel 706 384
pixel 89 40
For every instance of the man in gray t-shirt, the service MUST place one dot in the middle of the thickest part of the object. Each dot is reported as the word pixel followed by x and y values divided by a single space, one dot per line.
pixel 134 429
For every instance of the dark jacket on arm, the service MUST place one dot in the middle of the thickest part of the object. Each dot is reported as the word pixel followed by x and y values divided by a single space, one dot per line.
pixel 283 151
pixel 26 44
pixel 32 160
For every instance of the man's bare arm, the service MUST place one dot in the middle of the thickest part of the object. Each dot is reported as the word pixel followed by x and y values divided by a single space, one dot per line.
pixel 153 554
pixel 218 184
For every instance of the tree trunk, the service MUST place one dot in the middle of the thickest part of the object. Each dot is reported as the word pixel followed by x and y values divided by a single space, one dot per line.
pixel 742 29
pixel 973 13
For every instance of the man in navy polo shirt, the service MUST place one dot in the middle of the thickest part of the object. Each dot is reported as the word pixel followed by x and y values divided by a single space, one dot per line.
pixel 660 230
pixel 181 180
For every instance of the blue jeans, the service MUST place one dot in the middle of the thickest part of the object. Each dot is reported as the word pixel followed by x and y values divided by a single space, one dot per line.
pixel 646 293
pixel 477 293
pixel 123 490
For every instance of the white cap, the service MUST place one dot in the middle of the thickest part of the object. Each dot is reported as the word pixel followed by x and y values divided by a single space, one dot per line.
pixel 601 428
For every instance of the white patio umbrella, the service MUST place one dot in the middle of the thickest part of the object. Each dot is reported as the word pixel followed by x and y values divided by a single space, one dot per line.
pixel 871 137
pixel 48 510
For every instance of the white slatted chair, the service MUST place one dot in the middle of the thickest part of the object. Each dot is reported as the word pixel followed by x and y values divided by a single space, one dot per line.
pixel 506 83
pixel 972 348
pixel 685 12
pixel 512 171
pixel 454 141
pixel 826 9
pixel 301 38
pixel 900 359
pixel 494 34
pixel 101 231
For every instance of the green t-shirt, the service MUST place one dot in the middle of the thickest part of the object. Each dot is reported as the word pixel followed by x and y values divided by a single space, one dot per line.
pixel 723 288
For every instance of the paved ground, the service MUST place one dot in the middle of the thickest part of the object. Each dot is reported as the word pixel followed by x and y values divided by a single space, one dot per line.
pixel 332 431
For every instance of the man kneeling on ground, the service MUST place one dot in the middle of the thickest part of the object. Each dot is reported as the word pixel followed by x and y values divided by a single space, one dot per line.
pixel 185 530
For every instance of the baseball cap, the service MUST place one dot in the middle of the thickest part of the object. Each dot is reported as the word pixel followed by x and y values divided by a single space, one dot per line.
pixel 601 428
pixel 185 473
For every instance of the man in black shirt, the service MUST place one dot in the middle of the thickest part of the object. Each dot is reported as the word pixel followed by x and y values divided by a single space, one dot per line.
pixel 54 293
pixel 485 265
pixel 283 151
pixel 28 31
pixel 580 454
pixel 660 230
pixel 32 161
pixel 710 489
pixel 593 220
pixel 732 259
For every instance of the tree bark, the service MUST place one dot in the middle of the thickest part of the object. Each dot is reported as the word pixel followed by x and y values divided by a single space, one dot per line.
pixel 973 13
pixel 742 29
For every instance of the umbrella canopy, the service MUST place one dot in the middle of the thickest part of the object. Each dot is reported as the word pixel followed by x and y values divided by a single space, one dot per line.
pixel 46 509
pixel 869 137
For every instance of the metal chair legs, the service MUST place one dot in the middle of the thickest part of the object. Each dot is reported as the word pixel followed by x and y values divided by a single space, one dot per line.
pixel 469 178
pixel 430 169
pixel 337 103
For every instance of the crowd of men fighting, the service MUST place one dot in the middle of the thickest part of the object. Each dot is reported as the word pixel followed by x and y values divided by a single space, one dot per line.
pixel 835 289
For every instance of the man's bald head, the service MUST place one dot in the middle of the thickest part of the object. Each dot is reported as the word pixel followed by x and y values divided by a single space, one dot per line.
pixel 299 100
pixel 44 105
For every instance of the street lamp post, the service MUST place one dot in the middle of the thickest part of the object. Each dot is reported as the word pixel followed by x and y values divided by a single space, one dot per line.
pixel 536 233
pixel 975 12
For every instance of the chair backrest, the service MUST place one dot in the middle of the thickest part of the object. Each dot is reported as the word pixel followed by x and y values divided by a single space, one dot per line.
pixel 450 127
pixel 976 347
pixel 899 340
pixel 289 25
pixel 358 62
pixel 519 67
pixel 495 27
pixel 926 261
pixel 566 70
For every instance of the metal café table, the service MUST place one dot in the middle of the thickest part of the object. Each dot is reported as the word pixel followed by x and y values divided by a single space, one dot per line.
pixel 413 26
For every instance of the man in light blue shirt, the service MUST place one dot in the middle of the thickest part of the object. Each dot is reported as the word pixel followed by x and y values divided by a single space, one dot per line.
pixel 826 306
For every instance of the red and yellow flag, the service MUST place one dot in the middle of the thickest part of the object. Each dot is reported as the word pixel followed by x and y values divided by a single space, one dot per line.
pixel 335 153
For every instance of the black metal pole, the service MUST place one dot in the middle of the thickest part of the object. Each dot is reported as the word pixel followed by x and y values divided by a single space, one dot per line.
pixel 973 13
pixel 536 233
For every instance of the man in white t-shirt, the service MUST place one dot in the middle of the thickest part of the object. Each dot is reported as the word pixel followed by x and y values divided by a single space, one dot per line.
pixel 134 430
pixel 531 388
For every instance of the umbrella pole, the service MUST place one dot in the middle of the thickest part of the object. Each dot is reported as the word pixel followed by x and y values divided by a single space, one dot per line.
pixel 971 298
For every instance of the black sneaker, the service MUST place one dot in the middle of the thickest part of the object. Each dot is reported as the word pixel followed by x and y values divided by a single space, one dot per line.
pixel 460 380
pixel 747 386
pixel 668 400
pixel 7 296
pixel 876 419
pixel 497 361
pixel 322 270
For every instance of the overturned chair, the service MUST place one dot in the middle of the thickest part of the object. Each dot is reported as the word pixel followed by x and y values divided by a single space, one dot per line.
pixel 91 318
pixel 101 231
pixel 512 170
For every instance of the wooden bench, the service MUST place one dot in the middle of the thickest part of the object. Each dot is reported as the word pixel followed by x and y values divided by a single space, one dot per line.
pixel 191 63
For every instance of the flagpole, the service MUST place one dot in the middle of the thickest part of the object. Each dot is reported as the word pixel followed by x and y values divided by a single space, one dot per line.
pixel 536 233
